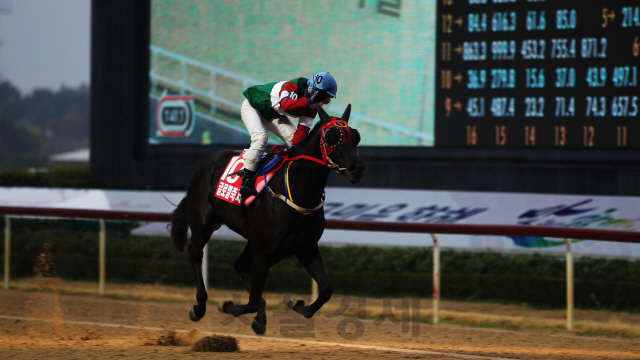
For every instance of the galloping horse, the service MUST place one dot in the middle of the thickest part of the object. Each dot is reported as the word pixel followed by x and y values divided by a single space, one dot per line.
pixel 274 229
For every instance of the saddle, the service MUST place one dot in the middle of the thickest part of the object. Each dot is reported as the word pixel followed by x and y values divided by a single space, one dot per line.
pixel 228 186
pixel 264 165
pixel 267 163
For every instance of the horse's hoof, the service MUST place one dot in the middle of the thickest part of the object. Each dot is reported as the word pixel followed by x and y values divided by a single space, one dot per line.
pixel 193 316
pixel 293 304
pixel 225 307
pixel 258 328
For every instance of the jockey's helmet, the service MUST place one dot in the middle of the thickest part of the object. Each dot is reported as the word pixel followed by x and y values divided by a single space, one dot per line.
pixel 322 81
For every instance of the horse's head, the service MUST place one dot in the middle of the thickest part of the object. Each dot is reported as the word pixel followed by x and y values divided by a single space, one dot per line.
pixel 338 144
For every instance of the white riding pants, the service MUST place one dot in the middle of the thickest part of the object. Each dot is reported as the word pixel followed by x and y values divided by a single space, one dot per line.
pixel 257 125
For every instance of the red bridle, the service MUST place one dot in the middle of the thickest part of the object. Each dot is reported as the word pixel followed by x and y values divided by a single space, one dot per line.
pixel 345 136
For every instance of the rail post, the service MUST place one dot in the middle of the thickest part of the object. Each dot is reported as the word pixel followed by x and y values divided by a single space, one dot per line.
pixel 569 285
pixel 102 255
pixel 205 266
pixel 314 290
pixel 7 250
pixel 436 279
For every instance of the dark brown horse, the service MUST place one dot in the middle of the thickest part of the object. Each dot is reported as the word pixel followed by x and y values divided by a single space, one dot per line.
pixel 274 229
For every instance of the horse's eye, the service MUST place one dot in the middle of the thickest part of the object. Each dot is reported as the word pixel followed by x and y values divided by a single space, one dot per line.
pixel 355 135
pixel 333 137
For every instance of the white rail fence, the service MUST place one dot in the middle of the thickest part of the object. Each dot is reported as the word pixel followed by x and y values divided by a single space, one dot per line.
pixel 432 229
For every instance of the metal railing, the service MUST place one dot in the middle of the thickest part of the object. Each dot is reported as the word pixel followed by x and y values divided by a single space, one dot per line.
pixel 432 229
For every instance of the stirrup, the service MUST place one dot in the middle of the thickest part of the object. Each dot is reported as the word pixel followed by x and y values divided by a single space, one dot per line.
pixel 248 187
pixel 239 173
pixel 247 191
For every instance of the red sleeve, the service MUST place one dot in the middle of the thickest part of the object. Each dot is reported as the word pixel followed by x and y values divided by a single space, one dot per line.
pixel 290 102
pixel 301 132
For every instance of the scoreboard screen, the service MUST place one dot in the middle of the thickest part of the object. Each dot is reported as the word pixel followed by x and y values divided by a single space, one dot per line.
pixel 537 74
pixel 203 54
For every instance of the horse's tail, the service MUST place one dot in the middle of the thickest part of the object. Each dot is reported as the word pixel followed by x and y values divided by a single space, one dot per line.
pixel 179 226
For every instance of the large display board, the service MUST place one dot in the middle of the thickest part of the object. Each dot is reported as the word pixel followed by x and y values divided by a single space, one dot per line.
pixel 121 154
pixel 205 53
pixel 536 73
pixel 446 73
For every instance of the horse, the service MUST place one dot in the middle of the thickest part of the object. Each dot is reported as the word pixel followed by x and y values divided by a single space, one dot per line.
pixel 274 229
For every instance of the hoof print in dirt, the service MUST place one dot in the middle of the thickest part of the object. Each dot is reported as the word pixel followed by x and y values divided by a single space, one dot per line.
pixel 216 343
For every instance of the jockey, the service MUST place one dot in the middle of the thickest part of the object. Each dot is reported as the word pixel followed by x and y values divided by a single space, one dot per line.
pixel 271 105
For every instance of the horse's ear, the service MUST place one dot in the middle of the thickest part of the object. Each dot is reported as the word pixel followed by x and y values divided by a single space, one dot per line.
pixel 347 113
pixel 324 117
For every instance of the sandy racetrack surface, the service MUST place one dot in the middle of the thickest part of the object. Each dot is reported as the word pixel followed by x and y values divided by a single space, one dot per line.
pixel 51 325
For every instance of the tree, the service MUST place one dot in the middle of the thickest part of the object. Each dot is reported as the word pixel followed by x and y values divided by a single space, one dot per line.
pixel 42 123
pixel 18 139
pixel 9 98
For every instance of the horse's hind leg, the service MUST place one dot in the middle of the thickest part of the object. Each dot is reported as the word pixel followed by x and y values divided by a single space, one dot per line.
pixel 200 235
pixel 259 271
pixel 311 259
pixel 243 267
pixel 253 268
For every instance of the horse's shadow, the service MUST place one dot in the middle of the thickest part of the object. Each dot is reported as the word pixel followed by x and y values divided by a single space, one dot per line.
pixel 274 229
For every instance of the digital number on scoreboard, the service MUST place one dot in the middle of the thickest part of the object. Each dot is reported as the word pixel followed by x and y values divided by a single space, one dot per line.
pixel 536 73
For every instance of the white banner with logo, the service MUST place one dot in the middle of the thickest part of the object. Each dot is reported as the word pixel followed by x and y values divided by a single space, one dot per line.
pixel 412 206
pixel 458 207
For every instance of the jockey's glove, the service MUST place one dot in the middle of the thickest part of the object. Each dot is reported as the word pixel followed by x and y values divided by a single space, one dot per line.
pixel 320 97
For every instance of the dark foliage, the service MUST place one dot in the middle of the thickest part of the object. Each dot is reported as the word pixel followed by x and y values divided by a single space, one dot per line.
pixel 68 177
pixel 42 123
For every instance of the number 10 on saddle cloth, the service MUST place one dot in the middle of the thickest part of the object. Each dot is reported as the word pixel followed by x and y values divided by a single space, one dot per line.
pixel 229 186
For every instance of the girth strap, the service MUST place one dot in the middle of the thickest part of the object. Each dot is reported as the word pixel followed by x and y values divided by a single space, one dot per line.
pixel 287 199
pixel 301 210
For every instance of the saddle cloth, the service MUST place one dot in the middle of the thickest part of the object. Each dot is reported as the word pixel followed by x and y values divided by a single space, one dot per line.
pixel 228 188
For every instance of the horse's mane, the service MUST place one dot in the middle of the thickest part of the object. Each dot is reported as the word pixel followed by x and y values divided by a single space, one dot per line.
pixel 299 149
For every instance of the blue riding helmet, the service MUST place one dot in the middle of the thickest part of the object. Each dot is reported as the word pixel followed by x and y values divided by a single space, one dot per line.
pixel 323 81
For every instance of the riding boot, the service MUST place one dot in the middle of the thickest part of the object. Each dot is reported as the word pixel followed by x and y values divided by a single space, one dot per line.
pixel 248 183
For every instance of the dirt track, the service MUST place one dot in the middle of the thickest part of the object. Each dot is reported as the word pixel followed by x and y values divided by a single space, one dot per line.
pixel 61 336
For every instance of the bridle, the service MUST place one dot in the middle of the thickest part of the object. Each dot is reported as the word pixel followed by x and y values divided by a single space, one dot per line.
pixel 327 149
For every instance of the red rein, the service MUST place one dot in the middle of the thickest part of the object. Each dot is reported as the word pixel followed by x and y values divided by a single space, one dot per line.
pixel 326 150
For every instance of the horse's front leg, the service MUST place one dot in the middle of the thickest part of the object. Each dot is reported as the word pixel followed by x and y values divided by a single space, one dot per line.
pixel 254 280
pixel 312 262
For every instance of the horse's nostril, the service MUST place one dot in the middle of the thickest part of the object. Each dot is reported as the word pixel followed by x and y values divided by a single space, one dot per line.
pixel 353 168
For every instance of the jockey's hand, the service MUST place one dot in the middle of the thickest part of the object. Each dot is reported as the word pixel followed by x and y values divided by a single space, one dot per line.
pixel 320 97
